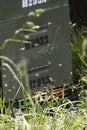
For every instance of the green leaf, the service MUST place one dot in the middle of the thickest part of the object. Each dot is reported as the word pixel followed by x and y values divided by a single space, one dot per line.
pixel 39 11
pixel 31 14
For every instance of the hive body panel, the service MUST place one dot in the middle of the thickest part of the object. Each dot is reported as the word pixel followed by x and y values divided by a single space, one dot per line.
pixel 48 53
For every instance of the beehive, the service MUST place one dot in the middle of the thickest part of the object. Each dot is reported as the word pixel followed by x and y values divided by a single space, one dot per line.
pixel 48 53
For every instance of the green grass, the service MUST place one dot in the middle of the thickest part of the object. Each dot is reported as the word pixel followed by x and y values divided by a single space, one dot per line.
pixel 54 118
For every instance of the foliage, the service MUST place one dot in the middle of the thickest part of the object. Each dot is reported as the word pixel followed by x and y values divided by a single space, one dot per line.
pixel 79 56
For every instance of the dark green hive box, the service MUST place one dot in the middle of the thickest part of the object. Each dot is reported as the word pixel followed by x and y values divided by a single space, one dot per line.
pixel 17 8
pixel 49 54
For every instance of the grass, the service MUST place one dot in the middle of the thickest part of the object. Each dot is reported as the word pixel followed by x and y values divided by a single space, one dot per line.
pixel 48 118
